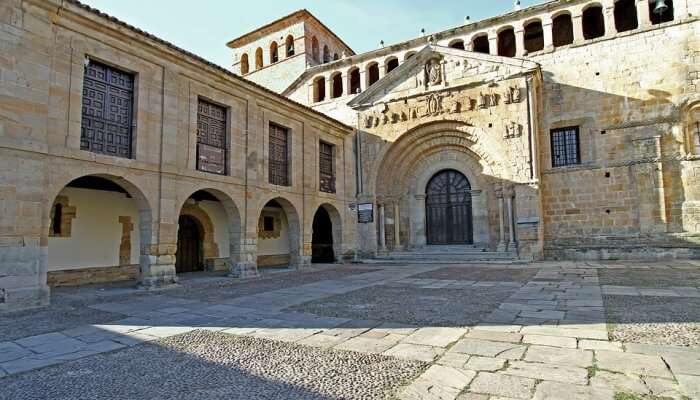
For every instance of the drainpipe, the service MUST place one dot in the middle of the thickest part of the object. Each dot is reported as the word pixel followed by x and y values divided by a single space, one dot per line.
pixel 530 123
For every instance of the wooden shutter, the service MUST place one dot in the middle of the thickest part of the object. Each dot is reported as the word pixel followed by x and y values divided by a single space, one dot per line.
pixel 211 138
pixel 326 170
pixel 107 115
pixel 278 157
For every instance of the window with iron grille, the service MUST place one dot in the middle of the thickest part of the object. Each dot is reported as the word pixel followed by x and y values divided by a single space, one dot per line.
pixel 107 115
pixel 565 146
pixel 326 170
pixel 211 138
pixel 279 155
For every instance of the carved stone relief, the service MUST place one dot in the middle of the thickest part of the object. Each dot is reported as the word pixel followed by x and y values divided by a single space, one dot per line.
pixel 513 130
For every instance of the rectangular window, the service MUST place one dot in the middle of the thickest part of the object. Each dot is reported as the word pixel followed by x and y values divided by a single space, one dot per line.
pixel 326 170
pixel 279 155
pixel 268 224
pixel 565 146
pixel 211 138
pixel 107 115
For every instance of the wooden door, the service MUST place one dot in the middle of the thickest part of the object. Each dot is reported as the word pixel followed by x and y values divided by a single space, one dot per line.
pixel 448 209
pixel 189 246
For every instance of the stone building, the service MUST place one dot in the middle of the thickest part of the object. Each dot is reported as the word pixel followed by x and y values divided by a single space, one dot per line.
pixel 125 157
pixel 566 130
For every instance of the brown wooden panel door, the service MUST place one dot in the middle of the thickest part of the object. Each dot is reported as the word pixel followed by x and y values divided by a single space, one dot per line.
pixel 189 246
pixel 211 138
pixel 448 209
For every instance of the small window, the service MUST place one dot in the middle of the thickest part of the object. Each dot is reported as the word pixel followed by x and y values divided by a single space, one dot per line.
pixel 457 44
pixel 211 138
pixel 274 53
pixel 319 89
pixel 279 155
pixel 372 74
pixel 245 66
pixel 337 85
pixel 660 14
pixel 355 81
pixel 268 224
pixel 314 49
pixel 258 58
pixel 326 55
pixel 565 146
pixel 326 170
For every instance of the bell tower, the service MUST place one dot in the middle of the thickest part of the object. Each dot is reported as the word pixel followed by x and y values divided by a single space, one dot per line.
pixel 275 54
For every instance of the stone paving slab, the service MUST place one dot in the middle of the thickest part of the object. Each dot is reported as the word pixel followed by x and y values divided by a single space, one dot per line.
pixel 560 356
pixel 559 391
pixel 438 382
pixel 620 383
pixel 437 337
pixel 628 363
pixel 555 341
pixel 415 352
pixel 550 372
pixel 509 386
pixel 487 348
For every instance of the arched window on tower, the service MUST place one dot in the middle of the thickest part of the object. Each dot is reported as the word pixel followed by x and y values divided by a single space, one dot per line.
pixel 392 64
pixel 326 54
pixel 289 46
pixel 372 74
pixel 319 89
pixel 409 55
pixel 457 44
pixel 354 77
pixel 625 15
pixel 506 43
pixel 659 16
pixel 274 53
pixel 480 44
pixel 562 30
pixel 534 37
pixel 336 85
pixel 258 58
pixel 314 49
pixel 336 57
pixel 245 66
pixel 593 22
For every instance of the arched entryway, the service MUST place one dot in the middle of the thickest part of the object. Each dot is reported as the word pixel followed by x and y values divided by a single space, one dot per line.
pixel 322 238
pixel 189 257
pixel 279 235
pixel 448 209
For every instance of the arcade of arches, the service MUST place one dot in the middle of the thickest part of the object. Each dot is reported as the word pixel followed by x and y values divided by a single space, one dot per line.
pixel 110 220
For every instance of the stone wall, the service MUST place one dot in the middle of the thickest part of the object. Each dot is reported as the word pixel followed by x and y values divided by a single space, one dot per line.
pixel 40 131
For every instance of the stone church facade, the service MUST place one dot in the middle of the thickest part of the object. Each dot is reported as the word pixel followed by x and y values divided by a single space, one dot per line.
pixel 567 130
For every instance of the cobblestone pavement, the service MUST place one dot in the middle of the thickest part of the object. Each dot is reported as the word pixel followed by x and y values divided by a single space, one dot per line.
pixel 393 331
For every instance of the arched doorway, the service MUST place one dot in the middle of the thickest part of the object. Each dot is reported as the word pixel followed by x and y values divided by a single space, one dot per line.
pixel 448 209
pixel 322 238
pixel 279 235
pixel 189 246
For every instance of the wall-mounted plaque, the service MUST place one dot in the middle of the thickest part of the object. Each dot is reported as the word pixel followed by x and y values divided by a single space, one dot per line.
pixel 365 213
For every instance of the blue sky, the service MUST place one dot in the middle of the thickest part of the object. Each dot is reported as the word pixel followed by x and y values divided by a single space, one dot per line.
pixel 203 27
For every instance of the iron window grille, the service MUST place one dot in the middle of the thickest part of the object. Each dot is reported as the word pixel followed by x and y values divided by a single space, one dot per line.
pixel 211 138
pixel 565 146
pixel 279 155
pixel 326 170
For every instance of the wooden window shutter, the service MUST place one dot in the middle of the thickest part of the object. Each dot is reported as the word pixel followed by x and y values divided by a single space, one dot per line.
pixel 211 138
pixel 326 170
pixel 279 156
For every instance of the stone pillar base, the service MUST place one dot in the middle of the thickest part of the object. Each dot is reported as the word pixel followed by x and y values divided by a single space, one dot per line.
pixel 14 299
pixel 304 263
pixel 243 270
pixel 502 246
pixel 157 276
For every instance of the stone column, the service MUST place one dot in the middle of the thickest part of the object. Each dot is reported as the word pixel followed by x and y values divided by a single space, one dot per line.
pixel 643 15
pixel 329 87
pixel 547 30
pixel 382 228
pixel 363 80
pixel 519 41
pixel 382 71
pixel 609 16
pixel 493 43
pixel 345 77
pixel 501 228
pixel 397 226
pixel 577 22
pixel 246 264
pixel 511 222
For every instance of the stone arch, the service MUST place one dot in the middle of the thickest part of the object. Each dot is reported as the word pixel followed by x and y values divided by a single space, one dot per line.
pixel 562 29
pixel 533 34
pixel 274 53
pixel 353 83
pixel 408 55
pixel 506 42
pixel 297 258
pixel 148 254
pixel 625 15
pixel 233 223
pixel 593 21
pixel 319 89
pixel 390 64
pixel 336 85
pixel 245 64
pixel 337 227
pixel 289 46
pixel 326 54
pixel 433 136
pixel 481 43
pixel 372 72
pixel 456 44
pixel 314 49
pixel 258 58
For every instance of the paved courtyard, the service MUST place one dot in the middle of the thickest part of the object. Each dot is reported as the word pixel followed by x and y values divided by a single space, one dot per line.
pixel 556 330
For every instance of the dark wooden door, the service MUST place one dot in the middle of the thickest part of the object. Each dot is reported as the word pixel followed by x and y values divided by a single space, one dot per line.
pixel 448 209
pixel 107 113
pixel 189 246
pixel 322 238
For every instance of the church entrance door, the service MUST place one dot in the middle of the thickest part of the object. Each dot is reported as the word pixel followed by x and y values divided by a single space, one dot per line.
pixel 448 209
